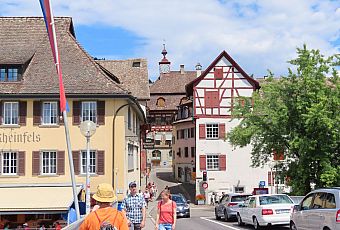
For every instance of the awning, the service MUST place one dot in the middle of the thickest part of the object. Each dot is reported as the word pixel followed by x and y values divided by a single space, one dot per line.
pixel 35 199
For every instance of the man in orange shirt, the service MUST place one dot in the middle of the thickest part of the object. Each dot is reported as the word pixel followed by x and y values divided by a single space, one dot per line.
pixel 106 216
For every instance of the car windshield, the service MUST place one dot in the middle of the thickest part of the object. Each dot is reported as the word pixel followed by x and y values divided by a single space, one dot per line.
pixel 239 198
pixel 275 199
pixel 178 199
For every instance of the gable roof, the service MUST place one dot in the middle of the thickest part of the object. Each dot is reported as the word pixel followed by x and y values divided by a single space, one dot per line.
pixel 25 40
pixel 134 79
pixel 173 82
pixel 189 86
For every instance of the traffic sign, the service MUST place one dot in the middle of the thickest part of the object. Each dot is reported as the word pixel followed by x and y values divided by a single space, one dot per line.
pixel 205 185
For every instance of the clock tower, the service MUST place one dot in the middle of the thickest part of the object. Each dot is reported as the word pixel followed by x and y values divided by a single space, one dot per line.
pixel 164 64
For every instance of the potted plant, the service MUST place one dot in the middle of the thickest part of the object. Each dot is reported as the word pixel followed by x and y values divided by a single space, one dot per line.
pixel 200 199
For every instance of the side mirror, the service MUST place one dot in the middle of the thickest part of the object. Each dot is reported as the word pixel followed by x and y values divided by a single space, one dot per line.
pixel 297 208
pixel 188 201
pixel 216 202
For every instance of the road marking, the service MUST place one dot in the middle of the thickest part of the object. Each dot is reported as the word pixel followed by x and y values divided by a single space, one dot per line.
pixel 216 222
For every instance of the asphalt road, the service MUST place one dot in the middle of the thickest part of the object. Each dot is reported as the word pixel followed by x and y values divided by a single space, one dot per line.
pixel 202 217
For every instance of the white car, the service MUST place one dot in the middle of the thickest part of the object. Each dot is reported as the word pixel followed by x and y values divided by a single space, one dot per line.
pixel 265 210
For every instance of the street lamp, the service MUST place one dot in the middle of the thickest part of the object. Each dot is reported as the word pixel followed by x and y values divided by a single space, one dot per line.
pixel 88 128
pixel 271 165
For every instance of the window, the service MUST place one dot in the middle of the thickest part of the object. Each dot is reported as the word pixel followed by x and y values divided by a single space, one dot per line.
pixel 9 163
pixel 186 152
pixel 193 151
pixel 156 154
pixel 192 132
pixel 275 199
pixel 129 118
pixel 212 131
pixel 136 64
pixel 186 133
pixel 50 113
pixel 182 134
pixel 252 202
pixel 9 74
pixel 330 201
pixel 134 122
pixel 307 202
pixel 11 113
pixel 131 165
pixel 239 189
pixel 49 162
pixel 160 102
pixel 212 162
pixel 212 99
pixel 89 111
pixel 170 153
pixel 93 168
pixel 179 154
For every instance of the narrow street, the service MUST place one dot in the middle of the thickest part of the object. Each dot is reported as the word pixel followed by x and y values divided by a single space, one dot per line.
pixel 202 217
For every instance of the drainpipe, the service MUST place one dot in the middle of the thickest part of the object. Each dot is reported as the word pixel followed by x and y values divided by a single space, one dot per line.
pixel 114 173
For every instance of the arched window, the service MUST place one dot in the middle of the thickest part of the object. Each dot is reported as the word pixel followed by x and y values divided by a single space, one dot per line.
pixel 156 154
pixel 160 102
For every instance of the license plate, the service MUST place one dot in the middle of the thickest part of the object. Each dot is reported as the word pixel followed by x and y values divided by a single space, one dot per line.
pixel 281 211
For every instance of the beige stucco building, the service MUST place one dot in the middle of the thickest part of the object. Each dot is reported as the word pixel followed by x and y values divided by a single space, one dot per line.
pixel 33 153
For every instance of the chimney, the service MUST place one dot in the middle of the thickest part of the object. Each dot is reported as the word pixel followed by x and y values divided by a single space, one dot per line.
pixel 181 68
pixel 198 69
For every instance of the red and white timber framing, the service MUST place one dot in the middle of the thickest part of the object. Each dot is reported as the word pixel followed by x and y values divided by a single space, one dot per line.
pixel 217 89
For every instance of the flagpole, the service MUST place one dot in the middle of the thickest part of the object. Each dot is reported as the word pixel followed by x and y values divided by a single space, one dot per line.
pixel 67 132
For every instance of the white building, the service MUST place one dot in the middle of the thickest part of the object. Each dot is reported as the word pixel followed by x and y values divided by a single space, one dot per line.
pixel 214 95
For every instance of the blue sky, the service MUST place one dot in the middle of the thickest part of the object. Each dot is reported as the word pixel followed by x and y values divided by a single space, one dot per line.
pixel 258 34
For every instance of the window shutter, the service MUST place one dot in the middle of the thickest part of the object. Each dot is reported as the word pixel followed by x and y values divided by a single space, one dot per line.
pixel 222 130
pixel 61 162
pixel 202 131
pixel 278 156
pixel 35 163
pixel 218 73
pixel 270 181
pixel 76 162
pixel 61 118
pixel 100 162
pixel 21 163
pixel 36 112
pixel 222 161
pixel 1 112
pixel 76 112
pixel 22 113
pixel 101 112
pixel 203 162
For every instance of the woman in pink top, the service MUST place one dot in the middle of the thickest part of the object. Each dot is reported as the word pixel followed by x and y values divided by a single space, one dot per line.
pixel 166 212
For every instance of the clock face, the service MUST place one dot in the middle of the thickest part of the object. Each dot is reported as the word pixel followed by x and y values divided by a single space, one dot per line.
pixel 164 68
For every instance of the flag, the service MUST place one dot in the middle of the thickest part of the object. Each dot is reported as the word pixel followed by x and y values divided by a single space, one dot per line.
pixel 50 27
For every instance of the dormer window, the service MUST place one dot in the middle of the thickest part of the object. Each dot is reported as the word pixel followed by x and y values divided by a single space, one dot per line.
pixel 136 64
pixel 9 73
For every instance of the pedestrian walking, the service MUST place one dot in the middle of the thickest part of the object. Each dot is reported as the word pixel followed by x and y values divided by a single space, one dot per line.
pixel 7 226
pixel 147 196
pixel 57 226
pixel 134 206
pixel 25 225
pixel 106 217
pixel 166 212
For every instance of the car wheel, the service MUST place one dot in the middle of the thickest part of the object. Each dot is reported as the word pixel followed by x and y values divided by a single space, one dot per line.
pixel 216 216
pixel 292 226
pixel 239 220
pixel 226 217
pixel 256 223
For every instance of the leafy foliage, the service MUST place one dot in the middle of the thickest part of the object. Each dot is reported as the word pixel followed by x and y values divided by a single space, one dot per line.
pixel 299 115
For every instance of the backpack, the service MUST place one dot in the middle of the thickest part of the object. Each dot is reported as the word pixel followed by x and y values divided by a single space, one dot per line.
pixel 106 225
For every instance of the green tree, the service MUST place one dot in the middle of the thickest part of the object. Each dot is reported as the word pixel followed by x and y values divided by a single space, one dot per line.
pixel 298 114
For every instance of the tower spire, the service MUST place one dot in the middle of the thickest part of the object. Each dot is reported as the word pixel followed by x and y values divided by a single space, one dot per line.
pixel 164 64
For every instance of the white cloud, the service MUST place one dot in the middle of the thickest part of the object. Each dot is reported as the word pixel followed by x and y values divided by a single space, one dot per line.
pixel 259 34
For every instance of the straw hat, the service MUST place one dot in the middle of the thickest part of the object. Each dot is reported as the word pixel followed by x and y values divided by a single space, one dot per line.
pixel 105 194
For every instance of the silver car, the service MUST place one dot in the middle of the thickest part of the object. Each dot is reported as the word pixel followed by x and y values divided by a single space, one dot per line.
pixel 228 205
pixel 319 210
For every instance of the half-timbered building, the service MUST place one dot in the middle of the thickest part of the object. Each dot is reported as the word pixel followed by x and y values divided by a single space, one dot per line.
pixel 214 96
